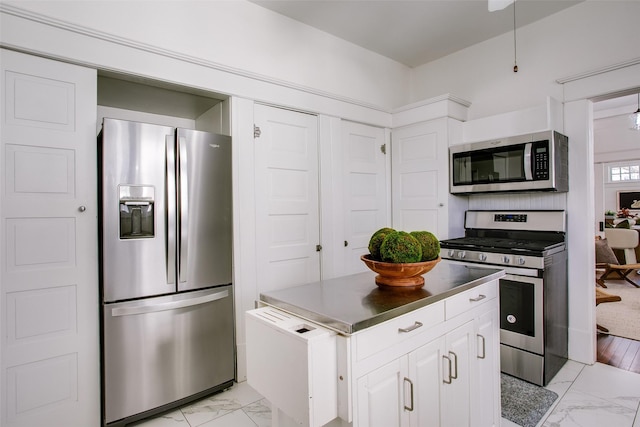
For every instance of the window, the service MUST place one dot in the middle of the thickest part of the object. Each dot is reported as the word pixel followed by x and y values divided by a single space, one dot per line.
pixel 624 173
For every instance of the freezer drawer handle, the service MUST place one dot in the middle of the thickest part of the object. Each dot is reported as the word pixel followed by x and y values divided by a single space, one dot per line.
pixel 127 311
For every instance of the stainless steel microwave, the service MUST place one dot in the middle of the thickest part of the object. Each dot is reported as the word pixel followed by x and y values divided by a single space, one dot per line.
pixel 532 162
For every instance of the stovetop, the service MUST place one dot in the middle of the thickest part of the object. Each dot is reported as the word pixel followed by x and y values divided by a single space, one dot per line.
pixel 503 245
pixel 508 238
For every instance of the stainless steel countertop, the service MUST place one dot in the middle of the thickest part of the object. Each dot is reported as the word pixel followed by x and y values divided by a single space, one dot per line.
pixel 352 303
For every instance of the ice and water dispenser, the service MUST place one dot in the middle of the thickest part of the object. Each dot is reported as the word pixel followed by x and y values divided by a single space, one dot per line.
pixel 137 213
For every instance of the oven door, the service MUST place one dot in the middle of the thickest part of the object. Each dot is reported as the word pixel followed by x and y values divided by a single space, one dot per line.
pixel 521 313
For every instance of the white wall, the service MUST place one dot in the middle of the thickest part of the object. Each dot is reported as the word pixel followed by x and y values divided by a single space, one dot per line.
pixel 581 38
pixel 241 35
pixel 614 142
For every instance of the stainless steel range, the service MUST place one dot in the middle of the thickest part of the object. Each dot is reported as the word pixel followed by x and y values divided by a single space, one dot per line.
pixel 530 247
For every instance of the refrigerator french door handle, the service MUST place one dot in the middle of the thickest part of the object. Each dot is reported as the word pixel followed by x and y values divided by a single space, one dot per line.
pixel 170 209
pixel 172 305
pixel 183 210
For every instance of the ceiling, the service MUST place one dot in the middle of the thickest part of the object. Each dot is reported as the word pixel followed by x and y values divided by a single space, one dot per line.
pixel 414 32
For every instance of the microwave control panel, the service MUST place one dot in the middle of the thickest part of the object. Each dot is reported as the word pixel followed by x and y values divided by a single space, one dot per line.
pixel 540 163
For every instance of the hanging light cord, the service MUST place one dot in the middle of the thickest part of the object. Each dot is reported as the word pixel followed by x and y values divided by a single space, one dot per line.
pixel 515 48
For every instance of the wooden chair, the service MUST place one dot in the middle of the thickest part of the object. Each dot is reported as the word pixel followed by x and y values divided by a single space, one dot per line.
pixel 626 240
pixel 602 296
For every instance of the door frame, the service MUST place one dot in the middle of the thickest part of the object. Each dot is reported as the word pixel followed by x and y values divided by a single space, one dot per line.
pixel 579 93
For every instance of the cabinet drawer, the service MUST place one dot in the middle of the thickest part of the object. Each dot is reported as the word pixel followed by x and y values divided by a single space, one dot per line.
pixel 470 299
pixel 394 331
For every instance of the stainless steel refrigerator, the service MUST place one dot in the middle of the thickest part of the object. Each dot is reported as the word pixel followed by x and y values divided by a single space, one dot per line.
pixel 166 267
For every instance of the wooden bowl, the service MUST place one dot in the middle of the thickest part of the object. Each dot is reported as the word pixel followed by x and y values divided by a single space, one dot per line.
pixel 399 275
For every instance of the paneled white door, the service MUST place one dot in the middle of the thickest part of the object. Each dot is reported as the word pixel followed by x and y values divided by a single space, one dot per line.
pixel 365 192
pixel 50 371
pixel 287 200
pixel 420 180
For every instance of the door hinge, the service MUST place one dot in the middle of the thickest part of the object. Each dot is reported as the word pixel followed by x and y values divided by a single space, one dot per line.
pixel 318 248
pixel 256 131
pixel 383 148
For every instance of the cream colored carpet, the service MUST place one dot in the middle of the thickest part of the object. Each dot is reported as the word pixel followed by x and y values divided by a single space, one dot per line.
pixel 622 318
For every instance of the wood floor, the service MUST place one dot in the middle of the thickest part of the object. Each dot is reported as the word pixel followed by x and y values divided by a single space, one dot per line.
pixel 620 352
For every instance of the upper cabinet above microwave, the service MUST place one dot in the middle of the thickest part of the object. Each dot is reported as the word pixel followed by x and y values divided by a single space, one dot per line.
pixel 532 162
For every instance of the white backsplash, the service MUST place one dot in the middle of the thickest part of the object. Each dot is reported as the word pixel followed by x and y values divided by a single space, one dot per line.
pixel 519 201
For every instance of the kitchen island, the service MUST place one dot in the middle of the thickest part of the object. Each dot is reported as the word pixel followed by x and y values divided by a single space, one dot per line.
pixel 344 352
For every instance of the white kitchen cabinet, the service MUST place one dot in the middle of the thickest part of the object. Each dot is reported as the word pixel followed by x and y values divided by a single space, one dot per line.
pixel 449 378
pixel 487 388
pixel 458 368
pixel 381 396
pixel 424 358
pixel 420 179
pixel 431 386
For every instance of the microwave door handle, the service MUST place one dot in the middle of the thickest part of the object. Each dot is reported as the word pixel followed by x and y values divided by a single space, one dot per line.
pixel 183 210
pixel 528 174
pixel 170 209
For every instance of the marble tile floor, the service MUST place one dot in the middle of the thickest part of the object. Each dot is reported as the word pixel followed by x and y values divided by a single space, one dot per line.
pixel 589 396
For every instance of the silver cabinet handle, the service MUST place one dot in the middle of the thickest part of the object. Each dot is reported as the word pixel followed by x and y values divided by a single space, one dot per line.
pixel 478 298
pixel 82 208
pixel 484 350
pixel 415 326
pixel 445 380
pixel 455 365
pixel 171 305
pixel 170 208
pixel 409 408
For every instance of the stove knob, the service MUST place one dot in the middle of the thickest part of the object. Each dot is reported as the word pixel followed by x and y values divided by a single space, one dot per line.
pixel 482 257
pixel 520 261
pixel 451 253
pixel 462 254
pixel 506 259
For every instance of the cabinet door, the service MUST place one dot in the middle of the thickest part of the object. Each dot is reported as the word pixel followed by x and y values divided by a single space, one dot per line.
pixel 49 348
pixel 381 396
pixel 420 181
pixel 486 390
pixel 287 201
pixel 364 190
pixel 456 386
pixel 425 370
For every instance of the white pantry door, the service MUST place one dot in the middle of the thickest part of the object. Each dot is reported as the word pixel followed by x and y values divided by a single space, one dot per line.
pixel 50 360
pixel 365 191
pixel 287 200
pixel 420 179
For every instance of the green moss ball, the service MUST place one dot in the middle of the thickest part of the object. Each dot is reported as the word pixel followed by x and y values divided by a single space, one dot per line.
pixel 429 243
pixel 376 241
pixel 400 247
